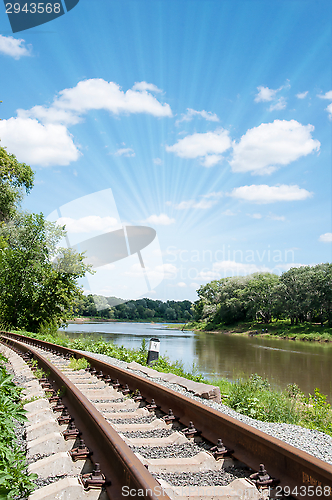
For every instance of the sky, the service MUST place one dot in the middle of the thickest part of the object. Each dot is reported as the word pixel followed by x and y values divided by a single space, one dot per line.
pixel 206 120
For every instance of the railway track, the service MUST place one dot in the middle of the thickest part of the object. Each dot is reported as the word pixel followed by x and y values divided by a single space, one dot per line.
pixel 142 449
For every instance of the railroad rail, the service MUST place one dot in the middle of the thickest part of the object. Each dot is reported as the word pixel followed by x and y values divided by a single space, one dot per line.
pixel 298 471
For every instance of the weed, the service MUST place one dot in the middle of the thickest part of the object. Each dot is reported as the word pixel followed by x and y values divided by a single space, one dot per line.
pixel 14 478
pixel 78 364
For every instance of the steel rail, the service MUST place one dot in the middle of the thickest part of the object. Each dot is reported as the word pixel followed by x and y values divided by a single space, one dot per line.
pixel 117 461
pixel 294 467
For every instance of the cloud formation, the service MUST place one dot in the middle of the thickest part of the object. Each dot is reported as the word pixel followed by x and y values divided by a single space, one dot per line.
pixel 302 95
pixel 160 220
pixel 125 152
pixel 40 135
pixel 146 86
pixel 262 149
pixel 71 104
pixel 328 96
pixel 326 238
pixel 191 113
pixel 208 147
pixel 280 104
pixel 38 144
pixel 270 194
pixel 14 47
pixel 265 94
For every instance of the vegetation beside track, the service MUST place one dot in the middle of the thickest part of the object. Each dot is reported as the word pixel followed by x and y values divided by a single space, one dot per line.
pixel 253 397
pixel 15 482
pixel 281 328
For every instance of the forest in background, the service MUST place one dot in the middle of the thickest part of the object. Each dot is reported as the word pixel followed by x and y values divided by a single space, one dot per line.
pixel 145 309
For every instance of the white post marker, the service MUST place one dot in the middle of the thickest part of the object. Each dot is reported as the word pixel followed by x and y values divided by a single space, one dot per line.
pixel 153 353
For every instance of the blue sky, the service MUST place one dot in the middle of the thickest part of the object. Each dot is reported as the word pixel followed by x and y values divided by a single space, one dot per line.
pixel 210 121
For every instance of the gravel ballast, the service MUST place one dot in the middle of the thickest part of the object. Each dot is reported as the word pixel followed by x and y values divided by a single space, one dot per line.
pixel 221 477
pixel 311 441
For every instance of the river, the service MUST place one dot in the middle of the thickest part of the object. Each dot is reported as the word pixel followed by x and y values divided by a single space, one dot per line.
pixel 307 364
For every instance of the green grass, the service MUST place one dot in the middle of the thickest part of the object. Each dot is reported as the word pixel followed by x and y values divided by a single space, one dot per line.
pixel 78 364
pixel 253 396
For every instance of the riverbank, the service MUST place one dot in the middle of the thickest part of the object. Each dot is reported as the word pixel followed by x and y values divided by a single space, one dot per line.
pixel 252 396
pixel 308 332
pixel 96 319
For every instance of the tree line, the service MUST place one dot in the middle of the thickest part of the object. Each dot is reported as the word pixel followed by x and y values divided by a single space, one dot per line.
pixel 300 294
pixel 134 310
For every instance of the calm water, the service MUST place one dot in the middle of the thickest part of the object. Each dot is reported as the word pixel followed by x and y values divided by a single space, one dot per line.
pixel 282 361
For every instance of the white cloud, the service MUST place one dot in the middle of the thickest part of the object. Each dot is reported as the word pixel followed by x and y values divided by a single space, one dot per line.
pixel 141 86
pixel 125 152
pixel 88 224
pixel 262 148
pixel 265 94
pixel 302 95
pixel 276 217
pixel 191 113
pixel 37 144
pixel 326 238
pixel 327 95
pixel 14 47
pixel 39 135
pixel 96 93
pixel 329 110
pixel 255 216
pixel 280 104
pixel 208 146
pixel 181 284
pixel 160 220
pixel 270 194
pixel 157 161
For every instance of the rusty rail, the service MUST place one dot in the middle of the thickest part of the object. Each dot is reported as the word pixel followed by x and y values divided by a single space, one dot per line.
pixel 294 468
pixel 117 461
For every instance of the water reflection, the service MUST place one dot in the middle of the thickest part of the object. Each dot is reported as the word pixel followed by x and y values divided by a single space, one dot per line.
pixel 282 361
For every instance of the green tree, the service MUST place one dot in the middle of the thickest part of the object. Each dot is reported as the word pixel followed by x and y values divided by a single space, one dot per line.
pixel 37 280
pixel 296 293
pixel 15 178
pixel 260 295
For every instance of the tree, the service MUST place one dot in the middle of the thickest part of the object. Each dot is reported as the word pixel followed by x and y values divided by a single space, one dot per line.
pixel 296 293
pixel 321 279
pixel 260 295
pixel 37 280
pixel 15 178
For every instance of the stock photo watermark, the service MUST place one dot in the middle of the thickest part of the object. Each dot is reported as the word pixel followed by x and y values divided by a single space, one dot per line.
pixel 24 15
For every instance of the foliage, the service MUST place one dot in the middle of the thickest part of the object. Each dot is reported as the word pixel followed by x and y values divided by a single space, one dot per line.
pixel 15 177
pixel 37 280
pixel 14 480
pixel 78 364
pixel 316 412
pixel 302 294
